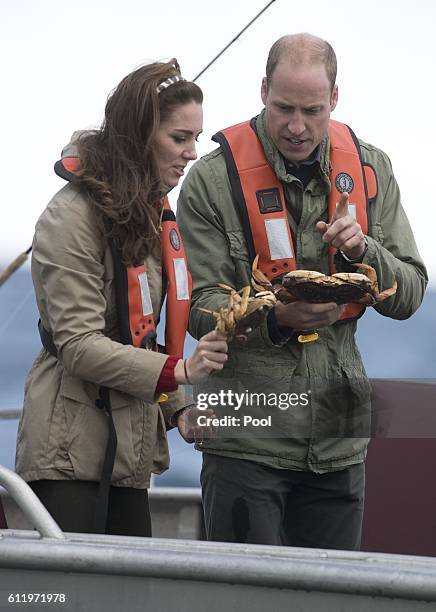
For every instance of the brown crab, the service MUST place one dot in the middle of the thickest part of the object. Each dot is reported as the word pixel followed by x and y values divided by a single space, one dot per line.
pixel 318 288
pixel 242 313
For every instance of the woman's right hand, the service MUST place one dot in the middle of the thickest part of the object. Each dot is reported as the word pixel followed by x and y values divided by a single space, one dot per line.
pixel 209 356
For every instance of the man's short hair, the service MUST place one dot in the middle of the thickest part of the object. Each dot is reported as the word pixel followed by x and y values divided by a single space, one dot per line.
pixel 302 48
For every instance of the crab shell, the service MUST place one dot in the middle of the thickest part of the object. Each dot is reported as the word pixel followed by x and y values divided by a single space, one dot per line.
pixel 311 286
pixel 341 288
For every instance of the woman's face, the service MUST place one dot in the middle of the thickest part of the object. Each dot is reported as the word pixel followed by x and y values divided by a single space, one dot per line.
pixel 175 142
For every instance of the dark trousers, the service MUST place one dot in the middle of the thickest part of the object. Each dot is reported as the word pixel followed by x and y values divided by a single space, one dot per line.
pixel 247 502
pixel 3 523
pixel 72 505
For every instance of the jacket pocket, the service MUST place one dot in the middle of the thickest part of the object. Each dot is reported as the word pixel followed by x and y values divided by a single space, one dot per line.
pixel 86 432
pixel 359 418
pixel 87 393
pixel 342 418
pixel 237 245
pixel 342 404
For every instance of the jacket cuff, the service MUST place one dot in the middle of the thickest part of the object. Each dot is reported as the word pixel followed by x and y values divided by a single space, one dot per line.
pixel 174 417
pixel 278 335
pixel 177 401
pixel 344 261
pixel 167 381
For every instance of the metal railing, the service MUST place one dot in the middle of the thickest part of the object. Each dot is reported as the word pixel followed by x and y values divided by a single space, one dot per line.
pixel 29 504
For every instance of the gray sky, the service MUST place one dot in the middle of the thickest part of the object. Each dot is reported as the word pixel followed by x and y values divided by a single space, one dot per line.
pixel 60 61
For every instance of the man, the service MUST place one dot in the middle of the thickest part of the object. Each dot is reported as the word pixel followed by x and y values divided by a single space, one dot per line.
pixel 302 485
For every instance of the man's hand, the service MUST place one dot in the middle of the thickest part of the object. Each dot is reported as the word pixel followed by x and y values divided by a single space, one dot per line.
pixel 305 316
pixel 189 428
pixel 343 232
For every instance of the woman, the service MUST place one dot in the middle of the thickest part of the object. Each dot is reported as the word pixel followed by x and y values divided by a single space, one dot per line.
pixel 105 252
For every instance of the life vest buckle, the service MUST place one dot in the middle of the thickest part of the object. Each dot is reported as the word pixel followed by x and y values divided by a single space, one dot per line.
pixel 307 337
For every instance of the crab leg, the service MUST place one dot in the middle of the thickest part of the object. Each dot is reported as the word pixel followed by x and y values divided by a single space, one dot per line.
pixel 368 271
pixel 258 278
pixel 211 312
pixel 387 292
pixel 226 287
pixel 372 275
pixel 244 299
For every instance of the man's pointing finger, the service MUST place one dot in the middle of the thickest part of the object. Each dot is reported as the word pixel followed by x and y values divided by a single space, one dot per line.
pixel 342 207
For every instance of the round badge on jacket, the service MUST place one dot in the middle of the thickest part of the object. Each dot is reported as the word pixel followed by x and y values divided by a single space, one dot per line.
pixel 175 240
pixel 344 182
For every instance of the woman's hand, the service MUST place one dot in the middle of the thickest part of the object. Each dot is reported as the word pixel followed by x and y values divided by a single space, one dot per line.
pixel 209 356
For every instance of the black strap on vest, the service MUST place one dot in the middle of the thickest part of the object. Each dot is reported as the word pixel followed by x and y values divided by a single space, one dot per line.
pixel 168 215
pixel 47 340
pixel 121 295
pixel 102 403
pixel 237 193
pixel 101 508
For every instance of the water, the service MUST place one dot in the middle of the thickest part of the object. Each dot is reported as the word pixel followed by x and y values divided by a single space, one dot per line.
pixel 390 349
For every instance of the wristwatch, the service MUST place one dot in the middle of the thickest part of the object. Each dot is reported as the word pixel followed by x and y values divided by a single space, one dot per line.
pixel 358 259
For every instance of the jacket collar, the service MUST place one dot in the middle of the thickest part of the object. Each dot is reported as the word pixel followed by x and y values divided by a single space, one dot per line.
pixel 276 161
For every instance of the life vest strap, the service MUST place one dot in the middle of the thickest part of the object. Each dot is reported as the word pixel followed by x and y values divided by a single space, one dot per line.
pixel 259 200
pixel 102 504
pixel 371 181
pixel 179 283
pixel 47 340
pixel 237 192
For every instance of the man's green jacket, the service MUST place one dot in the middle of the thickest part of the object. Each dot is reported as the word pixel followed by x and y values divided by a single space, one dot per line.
pixel 329 428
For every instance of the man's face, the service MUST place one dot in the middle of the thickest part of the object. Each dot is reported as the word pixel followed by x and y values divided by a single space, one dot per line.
pixel 298 104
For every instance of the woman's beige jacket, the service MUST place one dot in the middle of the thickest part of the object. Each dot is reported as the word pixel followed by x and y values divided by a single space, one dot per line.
pixel 62 434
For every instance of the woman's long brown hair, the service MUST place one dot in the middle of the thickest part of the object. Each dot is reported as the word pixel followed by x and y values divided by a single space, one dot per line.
pixel 119 170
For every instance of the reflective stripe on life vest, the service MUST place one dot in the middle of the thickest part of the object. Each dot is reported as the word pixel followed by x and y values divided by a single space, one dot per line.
pixel 259 196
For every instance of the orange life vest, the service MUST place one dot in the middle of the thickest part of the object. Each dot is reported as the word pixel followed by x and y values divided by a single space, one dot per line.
pixel 134 307
pixel 258 195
